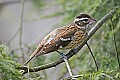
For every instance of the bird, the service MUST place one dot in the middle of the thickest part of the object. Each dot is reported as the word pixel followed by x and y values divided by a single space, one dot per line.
pixel 66 37
pixel 63 38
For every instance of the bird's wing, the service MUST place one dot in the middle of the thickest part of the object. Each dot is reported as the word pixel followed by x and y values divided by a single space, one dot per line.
pixel 57 39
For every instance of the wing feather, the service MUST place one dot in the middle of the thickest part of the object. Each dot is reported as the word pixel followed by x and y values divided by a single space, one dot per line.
pixel 57 39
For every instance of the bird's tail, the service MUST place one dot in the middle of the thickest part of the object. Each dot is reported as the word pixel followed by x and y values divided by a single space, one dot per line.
pixel 33 55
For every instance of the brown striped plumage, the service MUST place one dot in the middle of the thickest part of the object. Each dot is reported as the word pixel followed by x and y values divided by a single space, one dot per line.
pixel 67 37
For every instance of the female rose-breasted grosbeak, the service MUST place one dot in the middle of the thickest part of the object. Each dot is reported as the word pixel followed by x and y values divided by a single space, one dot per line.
pixel 67 37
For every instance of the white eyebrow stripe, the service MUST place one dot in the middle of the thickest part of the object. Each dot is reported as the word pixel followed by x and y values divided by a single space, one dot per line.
pixel 77 19
pixel 83 18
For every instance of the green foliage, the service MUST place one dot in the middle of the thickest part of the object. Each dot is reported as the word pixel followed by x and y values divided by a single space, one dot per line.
pixel 39 4
pixel 102 43
pixel 7 65
pixel 101 75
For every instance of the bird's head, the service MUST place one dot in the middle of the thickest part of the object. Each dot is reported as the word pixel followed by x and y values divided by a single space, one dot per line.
pixel 84 19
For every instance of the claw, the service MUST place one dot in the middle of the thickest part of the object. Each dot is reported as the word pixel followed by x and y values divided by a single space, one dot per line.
pixel 26 68
pixel 75 50
pixel 63 56
pixel 74 78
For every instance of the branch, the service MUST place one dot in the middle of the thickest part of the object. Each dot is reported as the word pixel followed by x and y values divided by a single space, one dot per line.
pixel 21 27
pixel 5 2
pixel 115 43
pixel 71 52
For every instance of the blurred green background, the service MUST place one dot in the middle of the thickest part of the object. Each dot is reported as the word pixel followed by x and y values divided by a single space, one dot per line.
pixel 41 17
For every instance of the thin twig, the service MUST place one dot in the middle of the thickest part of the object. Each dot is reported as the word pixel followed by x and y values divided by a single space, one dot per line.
pixel 21 26
pixel 115 44
pixel 76 76
pixel 92 56
pixel 13 37
pixel 71 52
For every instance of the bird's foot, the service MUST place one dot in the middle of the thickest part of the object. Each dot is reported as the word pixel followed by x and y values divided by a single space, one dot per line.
pixel 75 50
pixel 63 56
pixel 25 68
pixel 22 71
pixel 75 77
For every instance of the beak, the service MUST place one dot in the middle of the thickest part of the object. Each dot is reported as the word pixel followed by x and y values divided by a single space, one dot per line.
pixel 92 21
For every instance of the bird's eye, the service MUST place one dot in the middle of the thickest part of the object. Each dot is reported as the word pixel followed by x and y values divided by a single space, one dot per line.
pixel 85 20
